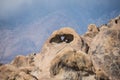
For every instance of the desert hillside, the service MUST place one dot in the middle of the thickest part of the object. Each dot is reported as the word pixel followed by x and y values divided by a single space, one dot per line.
pixel 66 55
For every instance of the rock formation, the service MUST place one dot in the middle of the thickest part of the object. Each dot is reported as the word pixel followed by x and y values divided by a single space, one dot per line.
pixel 105 51
pixel 92 31
pixel 66 55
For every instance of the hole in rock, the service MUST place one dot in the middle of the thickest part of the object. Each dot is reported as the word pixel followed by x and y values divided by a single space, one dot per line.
pixel 59 38
pixel 116 21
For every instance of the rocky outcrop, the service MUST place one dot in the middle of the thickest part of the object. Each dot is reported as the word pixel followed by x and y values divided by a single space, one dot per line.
pixel 61 41
pixel 105 53
pixel 71 65
pixel 10 72
pixel 66 55
pixel 114 22
pixel 92 31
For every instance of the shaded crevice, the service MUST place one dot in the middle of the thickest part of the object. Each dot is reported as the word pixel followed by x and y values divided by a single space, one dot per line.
pixel 116 21
pixel 54 70
pixel 84 46
pixel 59 38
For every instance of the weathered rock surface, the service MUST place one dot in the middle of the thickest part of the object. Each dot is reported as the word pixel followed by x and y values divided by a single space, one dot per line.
pixel 68 56
pixel 61 41
pixel 105 53
pixel 92 31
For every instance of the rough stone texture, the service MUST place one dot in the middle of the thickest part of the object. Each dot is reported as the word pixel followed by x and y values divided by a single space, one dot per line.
pixel 68 56
pixel 65 39
pixel 20 61
pixel 18 69
pixel 114 22
pixel 92 31
pixel 72 65
pixel 105 53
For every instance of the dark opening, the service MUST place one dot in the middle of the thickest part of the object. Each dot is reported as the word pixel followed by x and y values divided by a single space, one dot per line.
pixel 116 21
pixel 59 38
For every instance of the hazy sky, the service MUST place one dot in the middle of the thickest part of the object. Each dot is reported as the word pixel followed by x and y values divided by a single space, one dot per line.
pixel 26 24
pixel 16 12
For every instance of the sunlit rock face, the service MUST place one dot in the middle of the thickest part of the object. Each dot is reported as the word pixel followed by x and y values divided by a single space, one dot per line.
pixel 105 51
pixel 92 31
pixel 61 42
pixel 66 55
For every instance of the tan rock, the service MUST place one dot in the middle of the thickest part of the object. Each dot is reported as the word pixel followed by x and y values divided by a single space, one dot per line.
pixel 114 22
pixel 71 65
pixel 92 28
pixel 22 76
pixel 103 27
pixel 92 31
pixel 6 71
pixel 105 53
pixel 20 61
pixel 10 72
pixel 65 39
pixel 24 61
